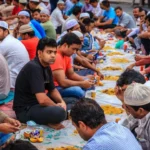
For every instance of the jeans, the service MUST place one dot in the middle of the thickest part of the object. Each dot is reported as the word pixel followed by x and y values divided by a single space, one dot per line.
pixel 85 72
pixel 74 91
pixel 4 138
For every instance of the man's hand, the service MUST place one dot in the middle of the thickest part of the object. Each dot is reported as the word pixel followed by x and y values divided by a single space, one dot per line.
pixel 13 122
pixel 131 66
pixel 102 43
pixel 143 72
pixel 97 23
pixel 87 84
pixel 62 104
pixel 119 93
pixel 100 75
pixel 8 128
pixel 90 77
pixel 138 57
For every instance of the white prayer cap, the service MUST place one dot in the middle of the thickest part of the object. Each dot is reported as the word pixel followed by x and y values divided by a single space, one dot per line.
pixel 84 15
pixel 78 33
pixel 47 1
pixel 60 2
pixel 45 11
pixel 137 94
pixel 23 1
pixel 71 23
pixel 4 24
pixel 24 13
pixel 34 1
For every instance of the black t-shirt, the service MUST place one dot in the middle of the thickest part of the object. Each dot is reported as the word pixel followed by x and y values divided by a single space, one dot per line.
pixel 32 79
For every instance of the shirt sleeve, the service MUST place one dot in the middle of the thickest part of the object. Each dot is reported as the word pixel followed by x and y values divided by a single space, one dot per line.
pixel 112 15
pixel 124 22
pixel 61 19
pixel 37 80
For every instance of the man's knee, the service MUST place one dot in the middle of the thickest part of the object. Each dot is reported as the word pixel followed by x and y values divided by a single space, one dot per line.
pixel 79 92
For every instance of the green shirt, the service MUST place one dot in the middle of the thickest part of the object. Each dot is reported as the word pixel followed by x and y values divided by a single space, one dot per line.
pixel 119 44
pixel 49 29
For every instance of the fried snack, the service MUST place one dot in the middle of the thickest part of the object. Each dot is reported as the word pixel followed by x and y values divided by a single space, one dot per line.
pixel 112 68
pixel 107 48
pixel 117 120
pixel 64 148
pixel 75 132
pixel 120 60
pixel 100 83
pixel 114 53
pixel 115 78
pixel 112 110
pixel 109 91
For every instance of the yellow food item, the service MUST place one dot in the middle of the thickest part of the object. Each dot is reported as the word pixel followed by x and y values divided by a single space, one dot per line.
pixel 40 140
pixel 114 53
pixel 27 134
pixel 64 148
pixel 75 132
pixel 109 91
pixel 100 83
pixel 117 120
pixel 107 47
pixel 101 61
pixel 33 140
pixel 112 110
pixel 112 68
pixel 115 78
pixel 120 60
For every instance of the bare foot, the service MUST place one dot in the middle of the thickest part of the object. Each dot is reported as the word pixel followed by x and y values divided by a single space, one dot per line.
pixel 56 126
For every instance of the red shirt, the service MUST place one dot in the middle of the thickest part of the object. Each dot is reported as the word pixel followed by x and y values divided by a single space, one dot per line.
pixel 31 45
pixel 62 63
pixel 16 10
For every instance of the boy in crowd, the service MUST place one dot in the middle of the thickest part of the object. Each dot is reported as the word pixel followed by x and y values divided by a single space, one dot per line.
pixel 36 15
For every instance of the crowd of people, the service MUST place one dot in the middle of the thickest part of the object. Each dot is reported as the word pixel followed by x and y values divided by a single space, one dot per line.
pixel 47 63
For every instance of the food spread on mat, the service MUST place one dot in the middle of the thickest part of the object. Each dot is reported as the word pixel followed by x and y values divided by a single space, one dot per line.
pixel 64 148
pixel 115 78
pixel 112 68
pixel 110 91
pixel 120 60
pixel 114 53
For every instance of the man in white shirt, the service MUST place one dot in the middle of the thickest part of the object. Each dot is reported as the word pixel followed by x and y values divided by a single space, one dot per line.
pixel 57 16
pixel 45 4
pixel 14 52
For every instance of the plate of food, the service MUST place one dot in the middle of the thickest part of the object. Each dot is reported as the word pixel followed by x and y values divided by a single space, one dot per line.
pixel 109 91
pixel 114 53
pixel 113 78
pixel 120 60
pixel 112 68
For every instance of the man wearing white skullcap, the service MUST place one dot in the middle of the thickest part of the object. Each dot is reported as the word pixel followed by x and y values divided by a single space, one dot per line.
pixel 45 4
pixel 137 103
pixel 57 16
pixel 83 16
pixel 34 4
pixel 47 24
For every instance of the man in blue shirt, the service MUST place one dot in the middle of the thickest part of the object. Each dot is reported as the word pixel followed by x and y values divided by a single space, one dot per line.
pixel 76 3
pixel 108 18
pixel 89 120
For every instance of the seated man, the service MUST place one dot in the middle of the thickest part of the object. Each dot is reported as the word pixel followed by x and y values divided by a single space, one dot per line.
pixel 137 103
pixel 125 79
pixel 47 24
pixel 89 119
pixel 29 40
pixel 125 20
pixel 14 52
pixel 7 127
pixel 36 15
pixel 66 80
pixel 31 101
pixel 108 18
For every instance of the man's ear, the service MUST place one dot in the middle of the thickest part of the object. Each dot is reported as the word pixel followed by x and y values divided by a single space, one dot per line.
pixel 82 125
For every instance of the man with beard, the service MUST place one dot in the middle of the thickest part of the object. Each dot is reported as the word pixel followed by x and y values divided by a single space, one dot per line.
pixel 34 84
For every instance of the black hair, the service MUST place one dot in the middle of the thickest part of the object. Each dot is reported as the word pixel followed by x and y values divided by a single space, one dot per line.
pixel 31 34
pixel 129 76
pixel 82 27
pixel 118 8
pixel 24 4
pixel 106 3
pixel 144 11
pixel 16 1
pixel 87 21
pixel 20 145
pixel 89 112
pixel 93 1
pixel 69 39
pixel 145 107
pixel 45 42
pixel 36 10
pixel 76 10
pixel 91 14
pixel 139 7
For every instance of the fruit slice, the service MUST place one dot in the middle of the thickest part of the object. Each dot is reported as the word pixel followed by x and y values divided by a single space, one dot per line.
pixel 33 140
pixel 27 134
pixel 41 139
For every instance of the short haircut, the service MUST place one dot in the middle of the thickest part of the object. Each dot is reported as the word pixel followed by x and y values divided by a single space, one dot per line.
pixel 129 76
pixel 16 1
pixel 45 42
pixel 91 14
pixel 148 17
pixel 69 39
pixel 93 1
pixel 118 8
pixel 20 145
pixel 144 11
pixel 145 107
pixel 36 10
pixel 139 7
pixel 82 27
pixel 89 112
pixel 106 3
pixel 76 10
pixel 87 21
pixel 31 34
